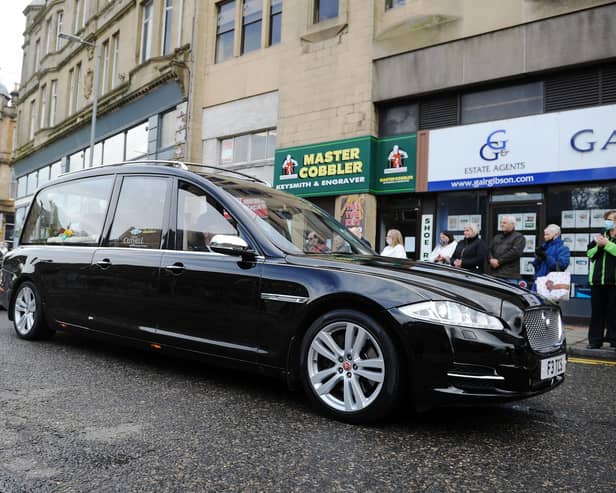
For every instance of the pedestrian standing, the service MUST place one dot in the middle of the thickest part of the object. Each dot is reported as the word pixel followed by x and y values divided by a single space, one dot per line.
pixel 602 279
pixel 471 252
pixel 444 250
pixel 552 255
pixel 505 251
pixel 394 247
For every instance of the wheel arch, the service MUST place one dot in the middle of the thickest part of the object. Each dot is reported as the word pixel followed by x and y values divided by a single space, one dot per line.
pixel 341 301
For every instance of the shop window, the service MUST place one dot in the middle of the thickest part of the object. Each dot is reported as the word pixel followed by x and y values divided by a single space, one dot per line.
pixel 579 212
pixel 391 4
pixel 398 120
pixel 135 226
pixel 166 130
pixel 252 19
pixel 502 103
pixel 456 210
pixel 137 142
pixel 43 176
pixel 325 9
pixel 32 182
pixel 225 31
pixel 257 146
pixel 22 186
pixel 114 149
pixel 55 170
pixel 275 28
pixel 75 161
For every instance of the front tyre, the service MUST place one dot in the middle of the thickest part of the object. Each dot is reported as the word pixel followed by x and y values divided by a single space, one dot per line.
pixel 350 368
pixel 28 316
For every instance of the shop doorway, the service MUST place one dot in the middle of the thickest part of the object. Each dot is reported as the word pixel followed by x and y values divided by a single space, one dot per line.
pixel 529 221
pixel 400 213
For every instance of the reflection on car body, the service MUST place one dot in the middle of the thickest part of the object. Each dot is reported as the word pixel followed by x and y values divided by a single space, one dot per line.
pixel 219 267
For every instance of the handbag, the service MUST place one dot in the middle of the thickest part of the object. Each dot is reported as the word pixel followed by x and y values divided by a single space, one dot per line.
pixel 555 286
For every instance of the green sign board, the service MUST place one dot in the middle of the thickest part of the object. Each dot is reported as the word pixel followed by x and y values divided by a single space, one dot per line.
pixel 363 164
pixel 394 166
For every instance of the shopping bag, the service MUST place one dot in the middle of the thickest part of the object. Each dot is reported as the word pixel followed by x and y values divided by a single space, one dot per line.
pixel 555 286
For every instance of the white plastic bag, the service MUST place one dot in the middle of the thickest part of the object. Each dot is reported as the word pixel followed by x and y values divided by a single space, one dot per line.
pixel 555 286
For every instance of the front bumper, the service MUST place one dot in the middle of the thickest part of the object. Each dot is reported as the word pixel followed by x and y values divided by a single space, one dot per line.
pixel 461 365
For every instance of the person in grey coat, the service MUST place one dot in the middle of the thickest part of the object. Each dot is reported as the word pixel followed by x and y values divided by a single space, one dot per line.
pixel 505 251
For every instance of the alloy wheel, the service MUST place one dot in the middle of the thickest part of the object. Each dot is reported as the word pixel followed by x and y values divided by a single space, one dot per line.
pixel 346 367
pixel 25 311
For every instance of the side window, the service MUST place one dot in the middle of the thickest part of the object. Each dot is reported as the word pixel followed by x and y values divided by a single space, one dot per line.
pixel 71 212
pixel 139 218
pixel 199 219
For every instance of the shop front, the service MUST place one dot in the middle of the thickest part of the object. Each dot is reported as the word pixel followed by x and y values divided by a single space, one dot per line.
pixel 359 181
pixel 555 168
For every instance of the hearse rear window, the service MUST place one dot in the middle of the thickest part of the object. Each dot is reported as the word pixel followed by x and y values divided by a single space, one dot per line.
pixel 69 213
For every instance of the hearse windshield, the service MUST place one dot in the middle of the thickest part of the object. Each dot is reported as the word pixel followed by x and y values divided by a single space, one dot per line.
pixel 293 224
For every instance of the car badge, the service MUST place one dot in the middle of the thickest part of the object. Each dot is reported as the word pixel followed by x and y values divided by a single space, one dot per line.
pixel 135 231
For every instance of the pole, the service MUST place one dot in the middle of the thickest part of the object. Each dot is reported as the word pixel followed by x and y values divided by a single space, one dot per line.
pixel 97 68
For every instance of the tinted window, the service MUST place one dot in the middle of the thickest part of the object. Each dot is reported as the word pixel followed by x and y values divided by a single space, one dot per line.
pixel 71 212
pixel 199 219
pixel 502 103
pixel 139 217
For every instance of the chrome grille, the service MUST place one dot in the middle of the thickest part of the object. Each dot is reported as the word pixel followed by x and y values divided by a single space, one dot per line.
pixel 543 329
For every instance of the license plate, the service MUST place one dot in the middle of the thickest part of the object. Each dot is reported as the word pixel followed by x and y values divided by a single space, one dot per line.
pixel 552 367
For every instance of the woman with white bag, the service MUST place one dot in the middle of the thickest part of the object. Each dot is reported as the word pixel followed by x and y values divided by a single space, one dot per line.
pixel 552 257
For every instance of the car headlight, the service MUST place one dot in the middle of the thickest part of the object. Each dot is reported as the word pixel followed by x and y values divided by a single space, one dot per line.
pixel 450 313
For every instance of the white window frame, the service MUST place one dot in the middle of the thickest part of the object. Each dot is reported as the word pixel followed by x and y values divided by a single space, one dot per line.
pixel 167 12
pixel 43 115
pixel 71 91
pixel 48 39
pixel 147 11
pixel 37 55
pixel 59 22
pixel 116 56
pixel 77 86
pixel 77 11
pixel 105 75
pixel 53 100
pixel 32 119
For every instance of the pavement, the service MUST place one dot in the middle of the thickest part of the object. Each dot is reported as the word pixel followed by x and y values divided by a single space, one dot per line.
pixel 577 339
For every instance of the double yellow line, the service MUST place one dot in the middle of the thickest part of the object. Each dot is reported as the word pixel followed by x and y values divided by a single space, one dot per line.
pixel 585 361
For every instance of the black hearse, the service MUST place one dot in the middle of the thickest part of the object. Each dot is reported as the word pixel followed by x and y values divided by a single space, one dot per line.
pixel 222 267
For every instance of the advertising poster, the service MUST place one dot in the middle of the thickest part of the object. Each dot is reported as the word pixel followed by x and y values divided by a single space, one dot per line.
pixel 596 218
pixel 582 219
pixel 394 169
pixel 526 266
pixel 567 219
pixel 529 246
pixel 581 242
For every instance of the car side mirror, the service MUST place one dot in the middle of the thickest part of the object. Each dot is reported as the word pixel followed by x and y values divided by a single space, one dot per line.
pixel 231 245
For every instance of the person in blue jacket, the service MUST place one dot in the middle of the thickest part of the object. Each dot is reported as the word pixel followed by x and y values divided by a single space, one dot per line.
pixel 552 255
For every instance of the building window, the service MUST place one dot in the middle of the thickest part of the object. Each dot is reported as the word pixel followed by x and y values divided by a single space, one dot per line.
pixel 59 23
pixel 105 75
pixel 398 120
pixel 53 90
pixel 390 4
pixel 252 19
pixel 168 17
pixel 84 16
pixel 75 161
pixel 146 31
pixel 43 176
pixel 71 91
pixel 77 86
pixel 37 55
pixel 114 62
pixel 325 9
pixel 55 170
pixel 502 103
pixel 225 31
pixel 275 28
pixel 43 122
pixel 258 146
pixel 76 18
pixel 49 34
pixel 32 119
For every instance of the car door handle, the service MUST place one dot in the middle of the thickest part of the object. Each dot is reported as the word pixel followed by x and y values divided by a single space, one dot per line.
pixel 176 268
pixel 104 263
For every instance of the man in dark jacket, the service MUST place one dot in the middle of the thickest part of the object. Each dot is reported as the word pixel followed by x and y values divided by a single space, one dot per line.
pixel 506 250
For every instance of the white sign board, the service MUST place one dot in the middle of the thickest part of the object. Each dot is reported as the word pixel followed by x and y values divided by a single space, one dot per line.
pixel 569 146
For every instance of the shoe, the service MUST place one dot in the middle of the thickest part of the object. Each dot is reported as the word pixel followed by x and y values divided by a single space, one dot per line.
pixel 593 346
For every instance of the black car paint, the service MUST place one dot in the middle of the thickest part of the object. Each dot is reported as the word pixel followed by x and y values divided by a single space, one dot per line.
pixel 236 326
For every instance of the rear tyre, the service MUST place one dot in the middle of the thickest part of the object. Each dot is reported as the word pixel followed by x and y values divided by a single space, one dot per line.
pixel 28 316
pixel 350 368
